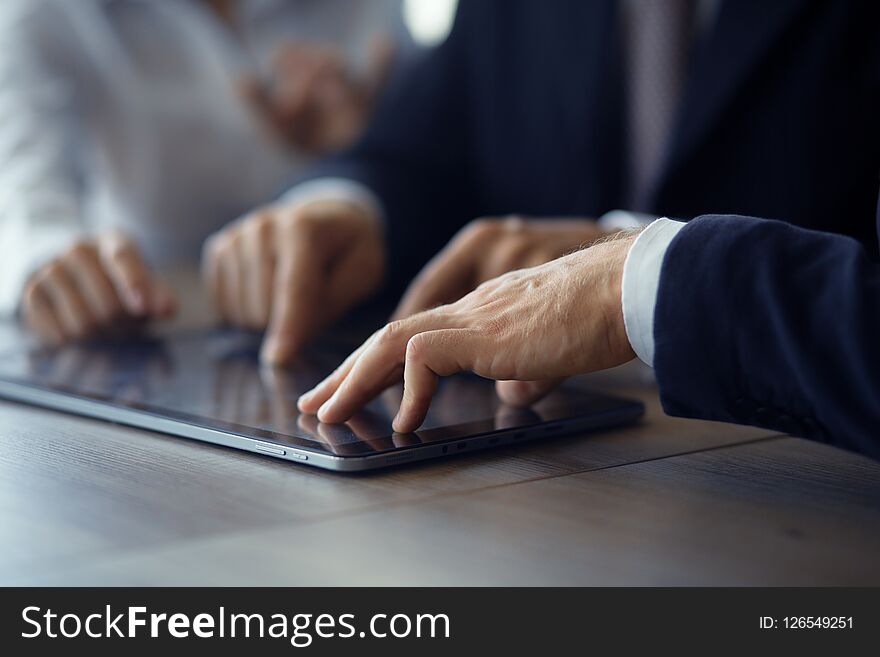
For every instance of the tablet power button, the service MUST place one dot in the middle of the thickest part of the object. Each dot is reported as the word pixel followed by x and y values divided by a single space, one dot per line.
pixel 269 449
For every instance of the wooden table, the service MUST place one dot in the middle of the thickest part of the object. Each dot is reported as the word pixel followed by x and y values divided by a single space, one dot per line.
pixel 667 502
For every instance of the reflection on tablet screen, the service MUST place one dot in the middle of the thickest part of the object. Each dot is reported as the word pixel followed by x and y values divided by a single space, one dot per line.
pixel 214 379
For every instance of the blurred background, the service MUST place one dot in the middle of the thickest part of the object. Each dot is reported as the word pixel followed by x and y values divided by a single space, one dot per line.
pixel 167 120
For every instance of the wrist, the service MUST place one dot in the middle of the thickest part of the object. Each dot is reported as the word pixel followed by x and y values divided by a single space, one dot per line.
pixel 608 258
pixel 622 242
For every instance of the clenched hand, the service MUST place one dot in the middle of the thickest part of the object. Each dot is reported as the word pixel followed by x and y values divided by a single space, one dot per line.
pixel 293 271
pixel 96 285
pixel 487 248
pixel 315 102
pixel 526 329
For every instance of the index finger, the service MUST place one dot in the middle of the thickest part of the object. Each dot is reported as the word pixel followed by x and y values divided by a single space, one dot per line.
pixel 380 364
pixel 295 302
pixel 430 355
pixel 127 272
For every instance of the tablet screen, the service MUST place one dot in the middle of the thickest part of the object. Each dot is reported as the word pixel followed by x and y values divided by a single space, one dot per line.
pixel 213 379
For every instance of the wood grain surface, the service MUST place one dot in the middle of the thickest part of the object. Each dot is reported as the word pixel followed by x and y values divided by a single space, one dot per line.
pixel 668 501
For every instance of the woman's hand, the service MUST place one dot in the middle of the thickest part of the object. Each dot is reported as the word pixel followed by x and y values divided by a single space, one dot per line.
pixel 97 285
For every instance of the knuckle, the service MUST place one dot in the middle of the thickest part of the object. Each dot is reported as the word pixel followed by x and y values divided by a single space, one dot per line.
pixel 260 228
pixel 52 271
pixel 415 348
pixel 233 228
pixel 79 250
pixel 32 291
pixel 514 222
pixel 38 287
pixel 234 240
pixel 120 237
pixel 262 218
pixel 391 332
pixel 119 252
pixel 483 227
pixel 115 241
pixel 215 238
pixel 302 225
pixel 221 244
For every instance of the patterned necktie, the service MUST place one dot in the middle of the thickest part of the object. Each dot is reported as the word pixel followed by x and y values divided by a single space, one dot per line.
pixel 657 36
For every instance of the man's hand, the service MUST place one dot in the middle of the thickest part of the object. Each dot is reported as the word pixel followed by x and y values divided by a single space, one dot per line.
pixel 488 248
pixel 293 271
pixel 96 285
pixel 541 324
pixel 314 102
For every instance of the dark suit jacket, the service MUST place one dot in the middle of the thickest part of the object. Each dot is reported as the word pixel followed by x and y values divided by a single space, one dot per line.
pixel 521 111
pixel 762 323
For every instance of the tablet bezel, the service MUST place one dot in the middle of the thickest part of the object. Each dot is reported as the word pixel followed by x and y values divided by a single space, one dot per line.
pixel 458 439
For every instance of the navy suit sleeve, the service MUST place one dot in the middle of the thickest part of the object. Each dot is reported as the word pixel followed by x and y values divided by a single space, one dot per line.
pixel 414 154
pixel 759 322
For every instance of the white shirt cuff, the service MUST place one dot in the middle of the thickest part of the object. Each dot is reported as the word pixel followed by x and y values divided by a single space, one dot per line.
pixel 336 189
pixel 624 220
pixel 641 280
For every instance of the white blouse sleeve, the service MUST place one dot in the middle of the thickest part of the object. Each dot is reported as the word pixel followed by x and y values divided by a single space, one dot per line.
pixel 40 178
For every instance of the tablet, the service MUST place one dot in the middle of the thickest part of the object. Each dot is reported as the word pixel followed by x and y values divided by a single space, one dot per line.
pixel 209 386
